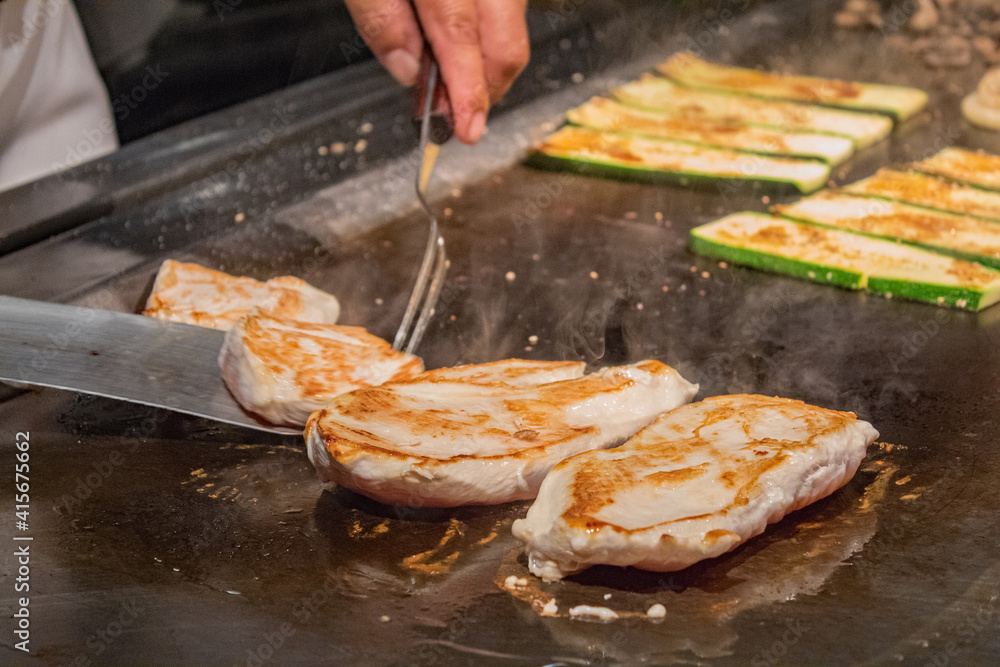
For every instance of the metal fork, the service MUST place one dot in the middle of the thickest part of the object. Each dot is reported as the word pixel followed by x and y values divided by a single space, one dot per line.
pixel 430 278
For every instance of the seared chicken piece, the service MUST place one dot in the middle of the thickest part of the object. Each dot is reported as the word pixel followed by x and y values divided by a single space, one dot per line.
pixel 192 294
pixel 696 483
pixel 483 434
pixel 283 369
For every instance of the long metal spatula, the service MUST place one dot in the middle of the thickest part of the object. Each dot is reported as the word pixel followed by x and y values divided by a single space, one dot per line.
pixel 117 355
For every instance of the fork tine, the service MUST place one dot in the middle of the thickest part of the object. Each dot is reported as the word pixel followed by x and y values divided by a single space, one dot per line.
pixel 427 287
pixel 430 302
pixel 419 288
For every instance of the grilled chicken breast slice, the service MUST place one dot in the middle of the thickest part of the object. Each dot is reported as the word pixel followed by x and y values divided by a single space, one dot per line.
pixel 283 369
pixel 483 434
pixel 192 294
pixel 694 484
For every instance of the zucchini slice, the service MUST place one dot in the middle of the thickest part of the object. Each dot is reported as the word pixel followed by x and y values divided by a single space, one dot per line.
pixel 928 191
pixel 659 94
pixel 631 157
pixel 897 101
pixel 604 114
pixel 958 164
pixel 846 259
pixel 957 235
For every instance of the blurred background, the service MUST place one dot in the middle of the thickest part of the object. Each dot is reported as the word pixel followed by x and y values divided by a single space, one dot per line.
pixel 217 52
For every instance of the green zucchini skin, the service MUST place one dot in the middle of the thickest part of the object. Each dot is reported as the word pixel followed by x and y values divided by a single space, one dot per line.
pixel 697 181
pixel 985 260
pixel 975 168
pixel 898 102
pixel 792 212
pixel 632 157
pixel 749 151
pixel 940 295
pixel 656 176
pixel 939 195
pixel 961 297
pixel 926 207
pixel 608 115
pixel 777 114
pixel 828 275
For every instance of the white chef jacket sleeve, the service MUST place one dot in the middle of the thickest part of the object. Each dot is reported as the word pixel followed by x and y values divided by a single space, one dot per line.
pixel 54 108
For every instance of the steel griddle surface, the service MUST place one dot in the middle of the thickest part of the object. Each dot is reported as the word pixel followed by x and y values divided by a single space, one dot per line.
pixel 160 539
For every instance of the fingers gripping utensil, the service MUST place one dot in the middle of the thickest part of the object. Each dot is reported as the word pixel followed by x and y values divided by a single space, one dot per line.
pixel 430 277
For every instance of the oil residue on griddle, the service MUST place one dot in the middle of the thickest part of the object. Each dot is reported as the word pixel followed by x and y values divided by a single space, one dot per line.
pixel 792 558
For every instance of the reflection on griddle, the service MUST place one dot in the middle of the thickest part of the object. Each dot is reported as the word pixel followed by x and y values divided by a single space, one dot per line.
pixel 791 559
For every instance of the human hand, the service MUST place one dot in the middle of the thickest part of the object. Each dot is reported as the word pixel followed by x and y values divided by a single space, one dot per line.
pixel 481 46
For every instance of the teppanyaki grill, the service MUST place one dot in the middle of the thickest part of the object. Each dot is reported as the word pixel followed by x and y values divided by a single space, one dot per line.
pixel 145 520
